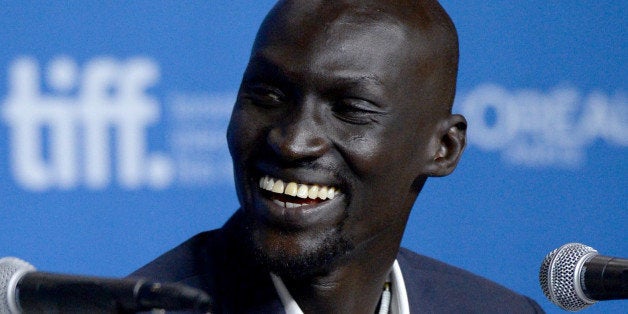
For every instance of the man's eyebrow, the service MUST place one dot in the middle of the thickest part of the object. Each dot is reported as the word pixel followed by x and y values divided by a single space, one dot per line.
pixel 266 63
pixel 358 79
pixel 345 78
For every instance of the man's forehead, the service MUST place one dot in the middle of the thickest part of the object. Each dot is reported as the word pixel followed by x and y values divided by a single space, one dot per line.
pixel 331 32
pixel 345 50
pixel 346 32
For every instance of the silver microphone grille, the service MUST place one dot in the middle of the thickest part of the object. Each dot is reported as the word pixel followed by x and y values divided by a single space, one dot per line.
pixel 560 277
pixel 11 270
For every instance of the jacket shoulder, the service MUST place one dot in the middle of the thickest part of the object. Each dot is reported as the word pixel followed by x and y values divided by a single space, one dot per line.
pixel 189 259
pixel 436 287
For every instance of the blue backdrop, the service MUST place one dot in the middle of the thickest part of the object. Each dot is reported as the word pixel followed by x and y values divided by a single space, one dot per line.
pixel 112 120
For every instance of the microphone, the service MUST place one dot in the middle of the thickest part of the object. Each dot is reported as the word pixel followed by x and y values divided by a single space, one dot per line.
pixel 24 290
pixel 574 277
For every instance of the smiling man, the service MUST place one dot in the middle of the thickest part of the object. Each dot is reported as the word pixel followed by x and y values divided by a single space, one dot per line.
pixel 343 113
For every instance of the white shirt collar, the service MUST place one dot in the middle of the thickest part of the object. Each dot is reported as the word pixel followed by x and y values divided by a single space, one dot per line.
pixel 398 305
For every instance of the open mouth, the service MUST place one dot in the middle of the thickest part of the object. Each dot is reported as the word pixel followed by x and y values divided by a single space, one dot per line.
pixel 293 194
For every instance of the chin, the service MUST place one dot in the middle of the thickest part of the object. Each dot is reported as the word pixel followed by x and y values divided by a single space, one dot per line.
pixel 295 256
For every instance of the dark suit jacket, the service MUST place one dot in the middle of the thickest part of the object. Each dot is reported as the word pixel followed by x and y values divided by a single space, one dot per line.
pixel 213 262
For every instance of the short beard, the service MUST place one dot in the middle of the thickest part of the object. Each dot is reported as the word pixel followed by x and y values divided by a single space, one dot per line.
pixel 309 263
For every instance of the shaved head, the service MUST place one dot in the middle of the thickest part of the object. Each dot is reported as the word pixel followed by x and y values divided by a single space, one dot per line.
pixel 424 22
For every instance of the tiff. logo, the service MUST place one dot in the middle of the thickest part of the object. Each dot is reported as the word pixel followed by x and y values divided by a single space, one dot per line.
pixel 66 138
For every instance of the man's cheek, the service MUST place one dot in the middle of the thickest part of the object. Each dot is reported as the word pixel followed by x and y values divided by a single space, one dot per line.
pixel 362 152
pixel 241 134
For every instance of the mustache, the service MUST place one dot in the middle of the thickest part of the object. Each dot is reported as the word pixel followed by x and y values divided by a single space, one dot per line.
pixel 318 167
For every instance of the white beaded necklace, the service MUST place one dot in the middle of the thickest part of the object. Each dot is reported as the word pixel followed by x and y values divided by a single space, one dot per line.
pixel 384 306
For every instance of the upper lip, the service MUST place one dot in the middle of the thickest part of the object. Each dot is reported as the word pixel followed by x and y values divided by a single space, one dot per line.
pixel 299 175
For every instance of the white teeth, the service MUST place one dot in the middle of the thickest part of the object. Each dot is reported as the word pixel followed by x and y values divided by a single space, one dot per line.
pixel 292 205
pixel 280 203
pixel 269 184
pixel 322 193
pixel 278 187
pixel 302 191
pixel 291 189
pixel 313 192
pixel 299 190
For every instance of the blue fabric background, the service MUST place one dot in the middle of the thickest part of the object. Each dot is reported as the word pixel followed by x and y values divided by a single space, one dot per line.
pixel 549 75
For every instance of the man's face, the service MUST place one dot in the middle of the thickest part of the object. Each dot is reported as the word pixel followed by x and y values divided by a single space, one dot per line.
pixel 339 109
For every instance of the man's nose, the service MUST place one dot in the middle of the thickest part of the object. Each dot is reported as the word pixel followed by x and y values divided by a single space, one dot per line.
pixel 299 136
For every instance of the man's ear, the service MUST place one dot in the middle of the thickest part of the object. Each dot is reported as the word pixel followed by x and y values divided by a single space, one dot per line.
pixel 448 144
